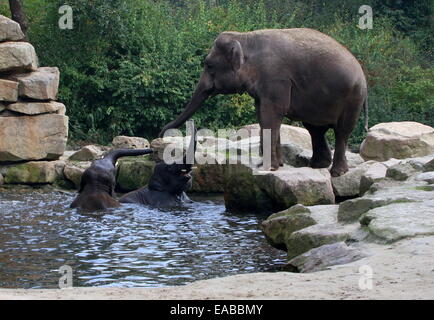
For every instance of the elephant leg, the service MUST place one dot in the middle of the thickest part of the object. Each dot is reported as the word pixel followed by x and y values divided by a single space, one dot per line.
pixel 279 151
pixel 258 116
pixel 345 125
pixel 340 165
pixel 273 122
pixel 322 156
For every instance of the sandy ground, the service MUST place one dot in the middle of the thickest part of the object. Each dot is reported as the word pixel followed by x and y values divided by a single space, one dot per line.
pixel 404 270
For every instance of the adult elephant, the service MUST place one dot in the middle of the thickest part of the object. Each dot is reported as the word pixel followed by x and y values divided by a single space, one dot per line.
pixel 301 74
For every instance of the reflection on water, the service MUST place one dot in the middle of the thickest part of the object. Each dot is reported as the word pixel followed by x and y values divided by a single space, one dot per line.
pixel 131 246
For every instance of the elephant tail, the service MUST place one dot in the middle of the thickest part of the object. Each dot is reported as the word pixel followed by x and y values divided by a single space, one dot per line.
pixel 114 155
pixel 365 111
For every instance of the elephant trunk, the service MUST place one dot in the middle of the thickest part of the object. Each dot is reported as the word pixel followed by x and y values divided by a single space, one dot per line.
pixel 114 155
pixel 202 92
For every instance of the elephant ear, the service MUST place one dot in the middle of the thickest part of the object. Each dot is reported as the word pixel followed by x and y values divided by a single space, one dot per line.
pixel 236 54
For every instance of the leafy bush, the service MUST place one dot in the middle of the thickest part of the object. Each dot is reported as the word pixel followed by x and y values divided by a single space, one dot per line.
pixel 130 66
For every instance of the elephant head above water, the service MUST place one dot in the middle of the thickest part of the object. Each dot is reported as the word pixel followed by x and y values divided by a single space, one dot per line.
pixel 301 74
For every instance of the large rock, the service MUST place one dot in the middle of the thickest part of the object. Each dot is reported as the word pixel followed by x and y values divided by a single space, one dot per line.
pixel 125 142
pixel 279 226
pixel 348 184
pixel 397 140
pixel 249 189
pixel 401 220
pixel 374 173
pixel 401 171
pixel 295 156
pixel 208 178
pixel 41 84
pixel 159 146
pixel 74 171
pixel 323 257
pixel 351 210
pixel 134 172
pixel 87 153
pixel 2 107
pixel 34 172
pixel 353 159
pixel 315 236
pixel 289 186
pixel 10 30
pixel 34 108
pixel 429 166
pixel 288 134
pixel 241 190
pixel 33 137
pixel 426 176
pixel 8 90
pixel 17 56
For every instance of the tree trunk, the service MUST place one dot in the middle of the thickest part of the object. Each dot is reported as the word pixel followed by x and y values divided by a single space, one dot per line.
pixel 18 15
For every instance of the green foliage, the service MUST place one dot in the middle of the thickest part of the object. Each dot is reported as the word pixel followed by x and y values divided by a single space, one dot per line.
pixel 130 66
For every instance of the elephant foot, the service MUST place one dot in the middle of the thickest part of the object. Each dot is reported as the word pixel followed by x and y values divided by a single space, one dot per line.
pixel 273 167
pixel 338 170
pixel 320 163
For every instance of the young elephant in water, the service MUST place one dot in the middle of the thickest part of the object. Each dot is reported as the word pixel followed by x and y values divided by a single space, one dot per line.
pixel 167 185
pixel 98 181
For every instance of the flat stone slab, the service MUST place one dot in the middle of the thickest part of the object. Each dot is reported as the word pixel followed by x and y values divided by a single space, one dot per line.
pixel 87 153
pixel 401 220
pixel 279 226
pixel 74 171
pixel 429 166
pixel 288 134
pixel 17 56
pixel 374 173
pixel 351 210
pixel 134 172
pixel 10 30
pixel 126 142
pixel 398 140
pixel 208 178
pixel 426 176
pixel 33 137
pixel 34 108
pixel 349 183
pixel 323 257
pixel 34 172
pixel 8 90
pixel 41 84
pixel 304 185
pixel 315 236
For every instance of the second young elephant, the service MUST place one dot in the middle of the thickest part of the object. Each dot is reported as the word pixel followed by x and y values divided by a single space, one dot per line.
pixel 168 183
pixel 301 74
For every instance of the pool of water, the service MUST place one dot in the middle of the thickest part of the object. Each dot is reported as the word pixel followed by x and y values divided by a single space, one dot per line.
pixel 131 246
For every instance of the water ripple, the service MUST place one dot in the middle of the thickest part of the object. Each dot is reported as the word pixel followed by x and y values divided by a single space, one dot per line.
pixel 131 246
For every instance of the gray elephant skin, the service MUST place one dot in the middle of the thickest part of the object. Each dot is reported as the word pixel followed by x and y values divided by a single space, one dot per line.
pixel 98 182
pixel 169 182
pixel 301 74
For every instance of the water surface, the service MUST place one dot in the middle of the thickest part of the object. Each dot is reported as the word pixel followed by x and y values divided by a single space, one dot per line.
pixel 131 246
